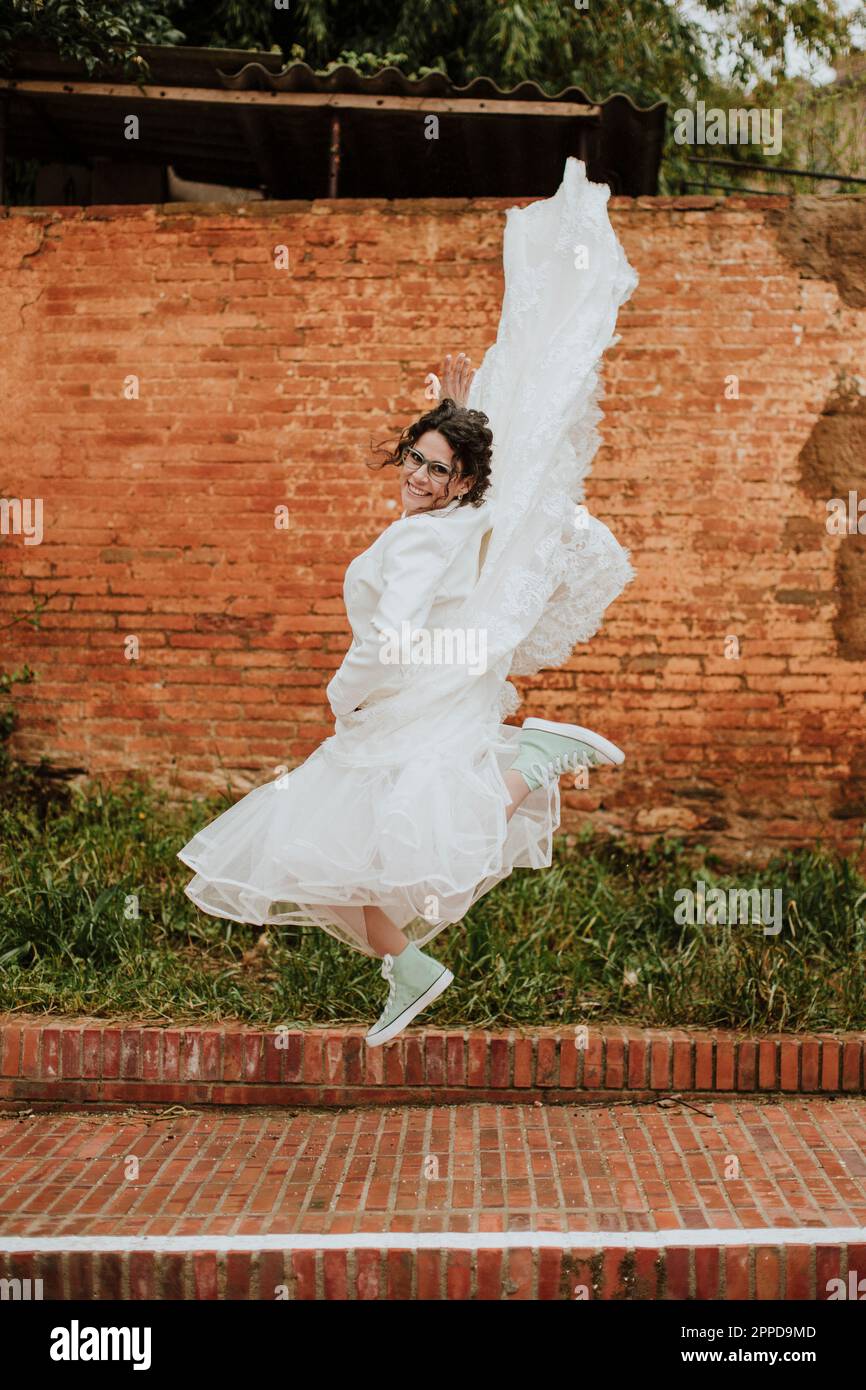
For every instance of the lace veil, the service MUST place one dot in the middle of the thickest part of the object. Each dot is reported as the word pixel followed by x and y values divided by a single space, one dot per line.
pixel 551 569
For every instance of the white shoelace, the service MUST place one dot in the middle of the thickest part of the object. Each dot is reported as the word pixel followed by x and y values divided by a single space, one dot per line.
pixel 388 974
pixel 563 762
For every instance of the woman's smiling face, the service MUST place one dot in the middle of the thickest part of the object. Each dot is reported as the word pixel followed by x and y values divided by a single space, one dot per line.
pixel 420 488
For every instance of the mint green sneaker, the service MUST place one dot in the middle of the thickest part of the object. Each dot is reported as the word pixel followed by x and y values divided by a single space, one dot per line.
pixel 414 981
pixel 548 749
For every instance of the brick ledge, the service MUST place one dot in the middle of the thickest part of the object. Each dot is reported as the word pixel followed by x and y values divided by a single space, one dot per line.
pixel 758 1271
pixel 84 1061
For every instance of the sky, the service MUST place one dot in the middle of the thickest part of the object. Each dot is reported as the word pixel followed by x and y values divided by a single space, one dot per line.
pixel 798 63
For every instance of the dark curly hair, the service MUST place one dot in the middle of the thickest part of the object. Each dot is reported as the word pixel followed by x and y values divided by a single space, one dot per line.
pixel 468 434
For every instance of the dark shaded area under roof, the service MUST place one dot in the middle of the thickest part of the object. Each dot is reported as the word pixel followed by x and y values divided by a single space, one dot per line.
pixel 244 120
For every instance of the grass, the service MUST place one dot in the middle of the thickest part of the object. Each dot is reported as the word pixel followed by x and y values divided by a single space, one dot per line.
pixel 594 938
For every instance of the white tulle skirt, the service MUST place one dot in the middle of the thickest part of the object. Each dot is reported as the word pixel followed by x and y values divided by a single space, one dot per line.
pixel 420 834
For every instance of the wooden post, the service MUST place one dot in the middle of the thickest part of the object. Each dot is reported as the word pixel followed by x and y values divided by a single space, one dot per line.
pixel 334 162
pixel 4 113
pixel 349 101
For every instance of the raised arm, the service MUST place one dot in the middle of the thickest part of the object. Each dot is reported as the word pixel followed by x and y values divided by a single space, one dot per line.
pixel 457 374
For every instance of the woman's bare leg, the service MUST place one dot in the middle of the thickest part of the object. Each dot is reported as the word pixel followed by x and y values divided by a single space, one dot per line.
pixel 383 936
pixel 518 790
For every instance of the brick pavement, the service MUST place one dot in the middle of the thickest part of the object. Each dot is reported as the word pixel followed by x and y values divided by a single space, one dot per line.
pixel 735 1198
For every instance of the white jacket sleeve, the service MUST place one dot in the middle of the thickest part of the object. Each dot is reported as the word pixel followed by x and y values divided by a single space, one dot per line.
pixel 413 565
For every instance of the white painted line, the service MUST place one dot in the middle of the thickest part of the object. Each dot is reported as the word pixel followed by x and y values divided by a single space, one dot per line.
pixel 445 1240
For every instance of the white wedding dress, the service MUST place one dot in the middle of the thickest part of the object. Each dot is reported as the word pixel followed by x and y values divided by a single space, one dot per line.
pixel 404 807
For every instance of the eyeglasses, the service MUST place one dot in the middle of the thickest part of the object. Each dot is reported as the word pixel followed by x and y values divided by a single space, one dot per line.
pixel 412 460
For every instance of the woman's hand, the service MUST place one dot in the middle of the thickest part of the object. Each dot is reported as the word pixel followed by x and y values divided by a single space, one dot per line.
pixel 457 374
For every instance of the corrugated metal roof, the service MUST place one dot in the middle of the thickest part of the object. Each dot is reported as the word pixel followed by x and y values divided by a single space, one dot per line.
pixel 285 148
pixel 300 77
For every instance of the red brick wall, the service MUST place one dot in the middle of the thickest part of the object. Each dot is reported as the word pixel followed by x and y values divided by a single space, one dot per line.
pixel 262 387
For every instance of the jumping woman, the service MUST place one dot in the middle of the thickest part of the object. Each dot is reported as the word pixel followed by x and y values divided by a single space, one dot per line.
pixel 423 798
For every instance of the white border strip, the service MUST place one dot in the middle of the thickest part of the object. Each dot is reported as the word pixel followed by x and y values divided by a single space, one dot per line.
pixel 443 1240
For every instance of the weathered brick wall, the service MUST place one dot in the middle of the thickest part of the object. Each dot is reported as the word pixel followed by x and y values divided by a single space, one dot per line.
pixel 262 387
